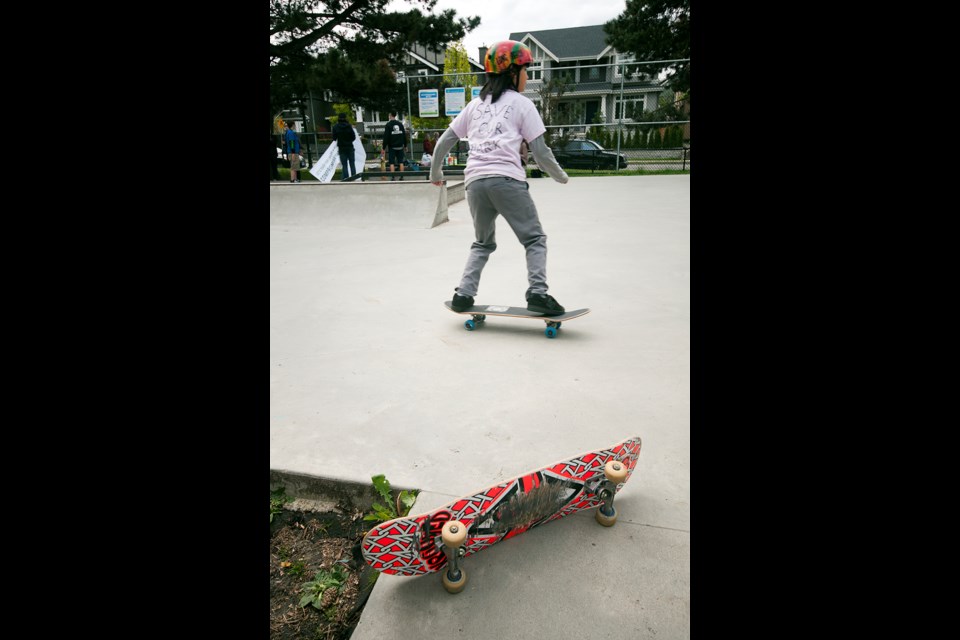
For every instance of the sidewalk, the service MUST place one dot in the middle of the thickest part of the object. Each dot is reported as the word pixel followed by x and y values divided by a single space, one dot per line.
pixel 371 374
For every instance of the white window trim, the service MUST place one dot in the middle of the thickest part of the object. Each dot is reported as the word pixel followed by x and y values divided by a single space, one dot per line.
pixel 617 109
pixel 535 67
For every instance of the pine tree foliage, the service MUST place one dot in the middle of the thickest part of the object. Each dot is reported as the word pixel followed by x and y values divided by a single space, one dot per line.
pixel 655 30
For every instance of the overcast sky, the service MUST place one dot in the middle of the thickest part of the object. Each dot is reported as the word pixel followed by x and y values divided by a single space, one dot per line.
pixel 499 18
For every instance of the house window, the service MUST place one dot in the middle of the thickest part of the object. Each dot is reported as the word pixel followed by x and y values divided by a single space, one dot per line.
pixel 535 70
pixel 591 74
pixel 564 71
pixel 628 108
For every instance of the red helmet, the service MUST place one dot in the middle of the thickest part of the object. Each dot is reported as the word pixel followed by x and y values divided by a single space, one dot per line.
pixel 502 54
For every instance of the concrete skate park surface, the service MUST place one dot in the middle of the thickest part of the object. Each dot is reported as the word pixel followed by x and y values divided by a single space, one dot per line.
pixel 371 374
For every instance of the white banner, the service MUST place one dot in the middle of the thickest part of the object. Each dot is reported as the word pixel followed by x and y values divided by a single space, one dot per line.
pixel 326 166
pixel 323 168
pixel 429 103
pixel 359 155
pixel 454 100
pixel 475 92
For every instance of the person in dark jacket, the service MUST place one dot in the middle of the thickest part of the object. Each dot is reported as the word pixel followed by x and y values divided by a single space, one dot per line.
pixel 394 143
pixel 344 135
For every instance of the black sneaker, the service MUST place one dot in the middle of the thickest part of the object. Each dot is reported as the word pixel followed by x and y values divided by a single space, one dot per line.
pixel 544 303
pixel 461 303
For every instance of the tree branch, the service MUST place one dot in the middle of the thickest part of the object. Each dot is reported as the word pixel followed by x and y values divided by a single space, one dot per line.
pixel 327 27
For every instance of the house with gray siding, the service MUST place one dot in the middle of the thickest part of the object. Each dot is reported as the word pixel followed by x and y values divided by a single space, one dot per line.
pixel 579 54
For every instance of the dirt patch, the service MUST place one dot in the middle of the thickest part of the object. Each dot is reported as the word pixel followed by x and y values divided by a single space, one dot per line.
pixel 317 553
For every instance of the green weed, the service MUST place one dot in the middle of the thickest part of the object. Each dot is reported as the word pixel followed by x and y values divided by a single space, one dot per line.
pixel 277 500
pixel 313 590
pixel 390 508
pixel 296 569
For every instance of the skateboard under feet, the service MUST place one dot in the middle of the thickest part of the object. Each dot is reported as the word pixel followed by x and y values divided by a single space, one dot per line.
pixel 479 315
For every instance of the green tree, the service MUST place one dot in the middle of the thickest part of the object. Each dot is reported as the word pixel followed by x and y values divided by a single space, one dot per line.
pixel 550 92
pixel 456 66
pixel 655 30
pixel 350 48
pixel 457 72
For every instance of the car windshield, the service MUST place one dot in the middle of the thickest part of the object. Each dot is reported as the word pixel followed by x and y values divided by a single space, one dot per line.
pixel 582 145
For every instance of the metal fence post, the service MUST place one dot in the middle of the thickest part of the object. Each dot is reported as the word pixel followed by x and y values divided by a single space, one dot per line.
pixel 623 72
pixel 406 81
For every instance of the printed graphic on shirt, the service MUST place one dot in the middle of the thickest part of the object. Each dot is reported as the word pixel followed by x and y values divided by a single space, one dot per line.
pixel 495 131
pixel 396 136
pixel 491 119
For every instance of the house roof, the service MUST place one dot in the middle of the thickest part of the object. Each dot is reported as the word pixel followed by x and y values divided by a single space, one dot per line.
pixel 420 54
pixel 572 42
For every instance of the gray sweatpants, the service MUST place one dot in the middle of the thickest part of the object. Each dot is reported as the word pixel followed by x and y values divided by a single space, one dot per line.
pixel 510 198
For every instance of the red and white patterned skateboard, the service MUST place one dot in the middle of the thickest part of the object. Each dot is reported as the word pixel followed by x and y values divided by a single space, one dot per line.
pixel 438 539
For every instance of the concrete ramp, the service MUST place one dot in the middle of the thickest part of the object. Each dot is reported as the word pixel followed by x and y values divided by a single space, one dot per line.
pixel 400 204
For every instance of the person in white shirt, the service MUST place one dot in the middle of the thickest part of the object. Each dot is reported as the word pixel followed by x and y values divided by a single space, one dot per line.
pixel 496 123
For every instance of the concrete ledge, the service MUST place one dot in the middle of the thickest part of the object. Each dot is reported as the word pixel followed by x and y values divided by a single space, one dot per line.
pixel 401 204
pixel 325 493
pixel 455 192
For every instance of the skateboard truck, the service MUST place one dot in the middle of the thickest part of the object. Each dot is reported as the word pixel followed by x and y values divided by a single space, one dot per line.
pixel 615 472
pixel 454 534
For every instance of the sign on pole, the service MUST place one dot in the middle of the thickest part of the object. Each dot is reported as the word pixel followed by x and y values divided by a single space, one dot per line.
pixel 454 100
pixel 429 103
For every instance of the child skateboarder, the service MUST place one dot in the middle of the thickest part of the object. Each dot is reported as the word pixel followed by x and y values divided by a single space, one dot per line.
pixel 496 122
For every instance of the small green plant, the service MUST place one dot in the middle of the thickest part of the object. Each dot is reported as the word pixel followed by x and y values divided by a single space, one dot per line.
pixel 296 569
pixel 313 591
pixel 390 508
pixel 277 500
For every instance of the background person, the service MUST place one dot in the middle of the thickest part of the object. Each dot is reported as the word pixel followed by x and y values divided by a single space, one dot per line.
pixel 394 143
pixel 291 150
pixel 344 135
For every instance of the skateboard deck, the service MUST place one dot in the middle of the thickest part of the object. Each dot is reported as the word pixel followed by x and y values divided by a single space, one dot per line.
pixel 414 545
pixel 479 314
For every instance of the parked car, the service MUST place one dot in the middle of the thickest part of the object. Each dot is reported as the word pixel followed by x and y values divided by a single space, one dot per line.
pixel 587 154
